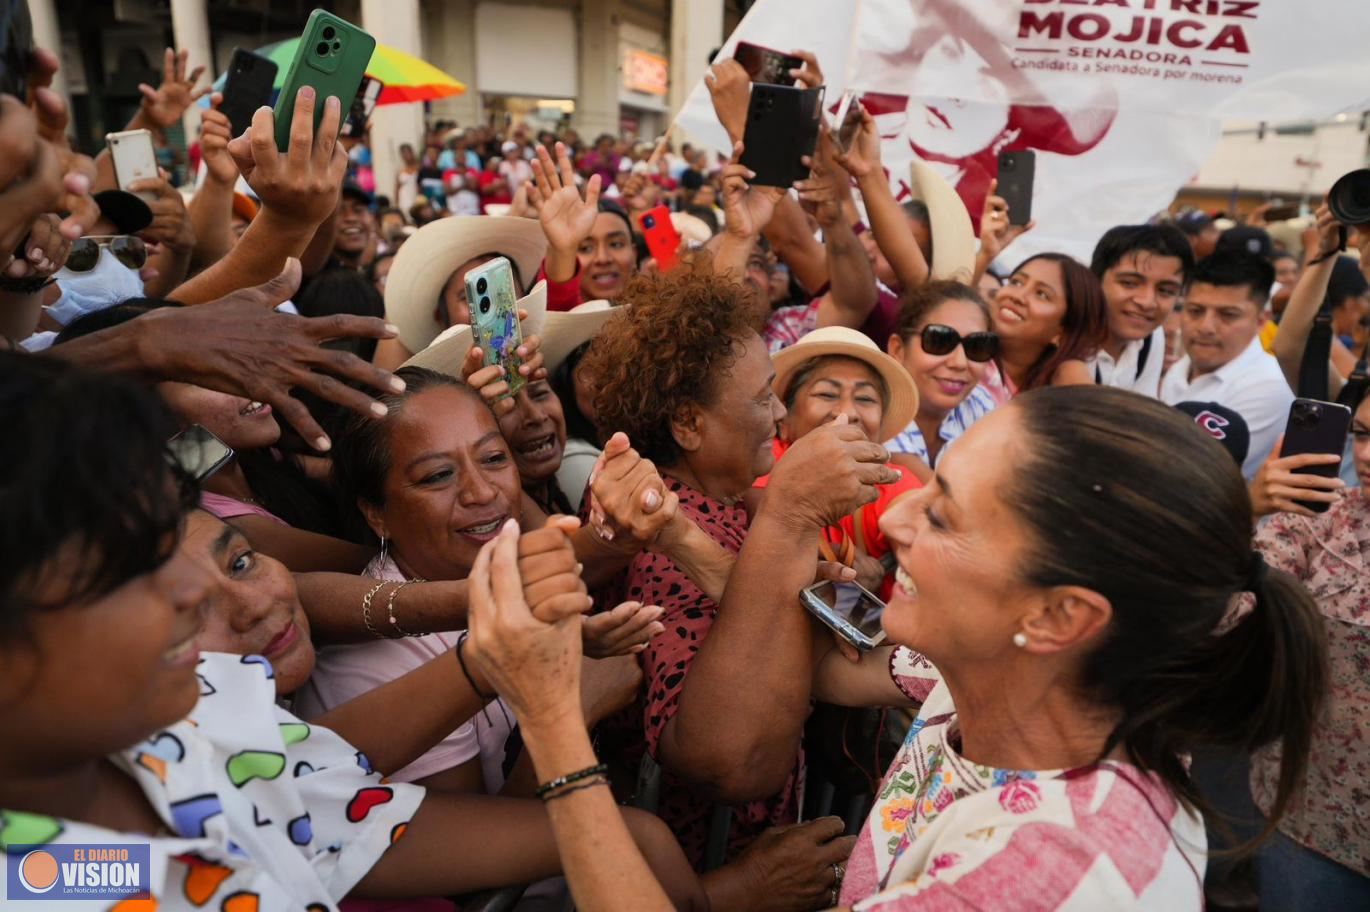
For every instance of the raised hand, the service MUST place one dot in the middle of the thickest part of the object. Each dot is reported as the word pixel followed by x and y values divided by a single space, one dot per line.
pixel 240 345
pixel 730 89
pixel 747 210
pixel 490 379
pixel 170 225
pixel 299 186
pixel 45 251
pixel 1277 487
pixel 995 231
pixel 566 217
pixel 215 135
pixel 30 176
pixel 810 74
pixel 827 187
pixel 862 158
pixel 78 171
pixel 827 474
pixel 166 104
pixel 629 501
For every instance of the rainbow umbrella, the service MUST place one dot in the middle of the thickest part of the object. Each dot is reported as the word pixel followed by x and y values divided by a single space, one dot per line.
pixel 406 78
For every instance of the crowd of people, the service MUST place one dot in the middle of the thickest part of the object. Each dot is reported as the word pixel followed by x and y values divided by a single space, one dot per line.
pixel 428 629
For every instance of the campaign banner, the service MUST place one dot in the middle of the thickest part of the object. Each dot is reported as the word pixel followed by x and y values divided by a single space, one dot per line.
pixel 1121 100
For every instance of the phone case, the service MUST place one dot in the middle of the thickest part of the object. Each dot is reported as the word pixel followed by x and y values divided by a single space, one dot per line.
pixel 133 158
pixel 782 127
pixel 846 121
pixel 1316 427
pixel 332 57
pixel 767 66
pixel 363 104
pixel 247 88
pixel 495 318
pixel 1016 172
pixel 835 622
pixel 663 241
pixel 198 452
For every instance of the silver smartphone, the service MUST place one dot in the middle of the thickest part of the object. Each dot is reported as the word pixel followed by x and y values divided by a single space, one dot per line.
pixel 198 452
pixel 849 609
pixel 134 159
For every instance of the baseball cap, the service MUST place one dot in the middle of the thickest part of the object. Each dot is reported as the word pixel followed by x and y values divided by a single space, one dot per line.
pixel 1245 239
pixel 353 189
pixel 1194 222
pixel 1222 424
pixel 128 212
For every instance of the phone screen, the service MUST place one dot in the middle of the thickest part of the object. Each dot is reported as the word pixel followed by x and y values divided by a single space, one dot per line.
pixel 198 452
pixel 854 605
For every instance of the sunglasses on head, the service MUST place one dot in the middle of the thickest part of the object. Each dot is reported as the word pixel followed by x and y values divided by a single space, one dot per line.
pixel 938 339
pixel 85 252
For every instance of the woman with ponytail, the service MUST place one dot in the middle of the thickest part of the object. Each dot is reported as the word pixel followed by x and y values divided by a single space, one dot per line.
pixel 1320 858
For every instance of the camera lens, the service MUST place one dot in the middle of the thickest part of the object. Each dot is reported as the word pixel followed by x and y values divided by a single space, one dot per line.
pixel 322 49
pixel 484 306
pixel 481 285
pixel 648 221
pixel 1349 198
pixel 328 32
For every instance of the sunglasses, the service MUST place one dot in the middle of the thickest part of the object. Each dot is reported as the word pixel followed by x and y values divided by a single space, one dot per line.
pixel 938 339
pixel 85 252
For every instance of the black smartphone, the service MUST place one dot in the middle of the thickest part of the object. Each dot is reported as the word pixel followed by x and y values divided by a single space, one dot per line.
pixel 1280 211
pixel 247 88
pixel 782 127
pixel 363 106
pixel 198 452
pixel 16 30
pixel 1016 170
pixel 849 609
pixel 765 65
pixel 1316 427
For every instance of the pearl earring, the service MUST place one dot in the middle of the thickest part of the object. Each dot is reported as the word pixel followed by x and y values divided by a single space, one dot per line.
pixel 1020 639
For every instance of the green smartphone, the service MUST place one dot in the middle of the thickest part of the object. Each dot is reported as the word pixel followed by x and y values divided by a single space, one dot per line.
pixel 332 58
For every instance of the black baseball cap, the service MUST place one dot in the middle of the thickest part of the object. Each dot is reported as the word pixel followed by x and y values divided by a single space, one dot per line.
pixel 353 189
pixel 1245 239
pixel 128 212
pixel 1223 425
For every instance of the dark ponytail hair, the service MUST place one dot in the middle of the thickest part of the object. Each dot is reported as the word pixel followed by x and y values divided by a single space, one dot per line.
pixel 1084 328
pixel 1127 497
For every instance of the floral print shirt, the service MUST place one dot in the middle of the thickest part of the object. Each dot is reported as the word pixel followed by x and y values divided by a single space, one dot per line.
pixel 262 811
pixel 946 833
pixel 1330 555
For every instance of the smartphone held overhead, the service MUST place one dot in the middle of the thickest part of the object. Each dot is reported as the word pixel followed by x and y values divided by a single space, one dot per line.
pixel 1017 171
pixel 247 88
pixel 495 319
pixel 663 241
pixel 331 58
pixel 782 128
pixel 765 65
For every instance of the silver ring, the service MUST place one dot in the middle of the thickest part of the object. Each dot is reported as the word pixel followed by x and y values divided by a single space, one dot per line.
pixel 838 872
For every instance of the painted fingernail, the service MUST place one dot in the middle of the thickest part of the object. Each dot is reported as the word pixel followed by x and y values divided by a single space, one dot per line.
pixel 379 409
pixel 397 384
pixel 322 443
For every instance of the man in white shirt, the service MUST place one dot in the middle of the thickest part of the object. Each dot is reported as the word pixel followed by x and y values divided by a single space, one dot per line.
pixel 1143 270
pixel 1223 360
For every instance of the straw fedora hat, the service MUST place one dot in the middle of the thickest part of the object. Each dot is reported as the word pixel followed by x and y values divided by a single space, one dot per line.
pixel 563 333
pixel 839 340
pixel 953 240
pixel 429 257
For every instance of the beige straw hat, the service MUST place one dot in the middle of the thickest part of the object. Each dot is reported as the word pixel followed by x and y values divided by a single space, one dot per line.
pixel 839 340
pixel 953 241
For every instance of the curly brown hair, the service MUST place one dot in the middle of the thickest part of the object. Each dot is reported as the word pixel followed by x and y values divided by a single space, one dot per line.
pixel 673 341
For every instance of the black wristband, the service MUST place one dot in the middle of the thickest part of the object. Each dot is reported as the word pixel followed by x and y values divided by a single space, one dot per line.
pixel 599 769
pixel 575 788
pixel 461 643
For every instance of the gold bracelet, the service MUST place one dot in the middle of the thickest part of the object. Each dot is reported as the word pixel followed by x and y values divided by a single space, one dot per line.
pixel 390 610
pixel 366 611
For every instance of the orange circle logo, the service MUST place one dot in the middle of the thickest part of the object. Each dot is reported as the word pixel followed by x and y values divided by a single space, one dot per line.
pixel 38 871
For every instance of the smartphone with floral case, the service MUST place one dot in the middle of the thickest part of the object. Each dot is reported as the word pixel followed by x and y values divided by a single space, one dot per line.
pixel 495 317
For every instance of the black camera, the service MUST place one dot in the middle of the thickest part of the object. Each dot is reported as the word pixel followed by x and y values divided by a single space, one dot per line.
pixel 1305 413
pixel 649 221
pixel 484 303
pixel 1349 198
pixel 481 285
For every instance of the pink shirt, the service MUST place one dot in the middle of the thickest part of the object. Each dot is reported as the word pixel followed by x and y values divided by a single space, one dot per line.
pixel 344 672
pixel 227 508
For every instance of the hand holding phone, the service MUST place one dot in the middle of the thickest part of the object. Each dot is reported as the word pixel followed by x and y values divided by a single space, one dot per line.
pixel 1316 427
pixel 134 160
pixel 765 65
pixel 1016 173
pixel 331 58
pixel 663 241
pixel 849 609
pixel 247 88
pixel 847 122
pixel 363 106
pixel 782 128
pixel 495 318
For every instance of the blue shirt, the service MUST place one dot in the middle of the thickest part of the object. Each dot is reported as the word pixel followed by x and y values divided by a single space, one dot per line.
pixel 910 440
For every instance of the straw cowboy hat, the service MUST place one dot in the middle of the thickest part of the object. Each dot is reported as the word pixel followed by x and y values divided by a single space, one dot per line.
pixel 429 257
pixel 562 333
pixel 953 240
pixel 839 340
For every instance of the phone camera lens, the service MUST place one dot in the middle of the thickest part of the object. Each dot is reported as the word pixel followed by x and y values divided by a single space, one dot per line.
pixel 484 306
pixel 322 49
pixel 481 285
pixel 648 221
pixel 337 46
pixel 328 32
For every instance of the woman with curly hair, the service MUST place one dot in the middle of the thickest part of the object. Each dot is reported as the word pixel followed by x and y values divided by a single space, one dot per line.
pixel 684 374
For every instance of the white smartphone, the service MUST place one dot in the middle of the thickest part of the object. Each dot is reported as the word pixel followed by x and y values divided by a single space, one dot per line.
pixel 849 609
pixel 133 157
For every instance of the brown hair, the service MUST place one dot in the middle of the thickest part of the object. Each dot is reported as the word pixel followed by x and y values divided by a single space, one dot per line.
pixel 671 344
pixel 1083 328
pixel 921 300
pixel 1154 515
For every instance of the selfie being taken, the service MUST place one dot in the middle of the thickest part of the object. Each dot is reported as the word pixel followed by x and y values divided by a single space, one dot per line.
pixel 744 455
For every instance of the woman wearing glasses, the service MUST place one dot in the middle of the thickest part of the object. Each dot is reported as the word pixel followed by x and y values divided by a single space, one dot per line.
pixel 943 339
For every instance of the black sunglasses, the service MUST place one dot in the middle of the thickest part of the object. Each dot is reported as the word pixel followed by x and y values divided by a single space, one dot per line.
pixel 938 339
pixel 85 252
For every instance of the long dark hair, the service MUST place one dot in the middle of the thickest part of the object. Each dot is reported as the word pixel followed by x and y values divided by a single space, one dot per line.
pixel 563 380
pixel 1083 328
pixel 1154 515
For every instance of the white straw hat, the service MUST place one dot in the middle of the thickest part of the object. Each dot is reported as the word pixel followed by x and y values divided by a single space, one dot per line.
pixel 848 343
pixel 953 240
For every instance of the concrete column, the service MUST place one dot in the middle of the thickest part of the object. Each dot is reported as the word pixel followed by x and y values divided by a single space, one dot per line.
pixel 696 29
pixel 449 42
pixel 597 100
pixel 190 31
pixel 47 35
pixel 394 23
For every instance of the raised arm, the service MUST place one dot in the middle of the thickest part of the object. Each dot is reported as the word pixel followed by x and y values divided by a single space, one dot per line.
pixel 211 208
pixel 826 194
pixel 744 701
pixel 1297 322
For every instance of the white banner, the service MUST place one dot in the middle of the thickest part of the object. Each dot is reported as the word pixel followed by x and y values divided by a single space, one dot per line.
pixel 1121 99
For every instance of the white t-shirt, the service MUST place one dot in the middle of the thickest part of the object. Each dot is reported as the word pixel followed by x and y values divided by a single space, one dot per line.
pixel 1251 384
pixel 1138 368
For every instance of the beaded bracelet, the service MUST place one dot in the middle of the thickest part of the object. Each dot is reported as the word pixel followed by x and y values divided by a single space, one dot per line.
pixel 591 783
pixel 390 610
pixel 366 611
pixel 599 769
